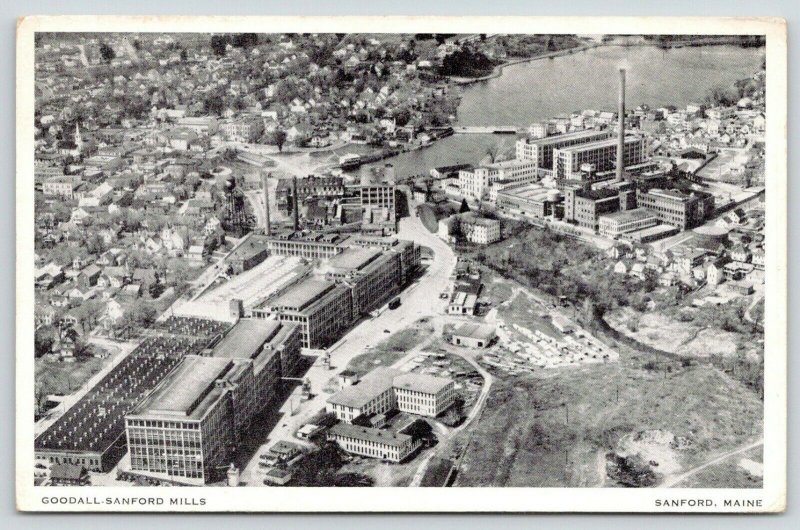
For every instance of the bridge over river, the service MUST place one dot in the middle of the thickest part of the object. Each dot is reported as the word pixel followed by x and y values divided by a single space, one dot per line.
pixel 488 129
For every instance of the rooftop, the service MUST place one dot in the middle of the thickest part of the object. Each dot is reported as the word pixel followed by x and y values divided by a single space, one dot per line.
pixel 183 389
pixel 302 294
pixel 589 133
pixel 425 383
pixel 354 258
pixel 371 385
pixel 371 435
pixel 475 331
pixel 246 338
pixel 637 214
pixel 598 144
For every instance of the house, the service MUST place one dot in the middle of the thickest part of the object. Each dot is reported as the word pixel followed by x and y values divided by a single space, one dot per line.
pixel 741 254
pixel 715 272
pixel 638 270
pixel 89 277
pixel 620 268
pixel 112 314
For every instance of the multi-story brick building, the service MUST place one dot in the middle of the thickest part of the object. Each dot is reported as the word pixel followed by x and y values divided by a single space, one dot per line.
pixel 374 443
pixel 618 223
pixel 679 209
pixel 476 183
pixel 371 274
pixel 310 186
pixel 540 150
pixel 322 308
pixel 243 130
pixel 601 155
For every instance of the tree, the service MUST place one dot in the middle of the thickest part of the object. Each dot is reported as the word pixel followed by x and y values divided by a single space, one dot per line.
pixel 107 52
pixel 141 314
pixel 280 139
pixel 720 96
pixel 219 45
pixel 464 206
pixel 184 55
pixel 43 340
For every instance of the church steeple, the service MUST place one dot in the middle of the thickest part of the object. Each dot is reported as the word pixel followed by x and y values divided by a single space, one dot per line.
pixel 78 139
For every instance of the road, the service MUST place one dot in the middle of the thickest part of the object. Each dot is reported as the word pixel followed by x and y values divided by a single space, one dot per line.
pixel 418 300
pixel 677 479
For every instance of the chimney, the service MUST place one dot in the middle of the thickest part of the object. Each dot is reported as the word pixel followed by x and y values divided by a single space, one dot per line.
pixel 265 191
pixel 621 128
pixel 295 205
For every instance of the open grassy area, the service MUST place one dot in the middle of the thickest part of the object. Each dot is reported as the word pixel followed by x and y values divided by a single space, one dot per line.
pixel 388 351
pixel 738 471
pixel 56 377
pixel 555 429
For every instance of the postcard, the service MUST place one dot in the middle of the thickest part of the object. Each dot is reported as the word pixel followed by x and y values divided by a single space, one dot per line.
pixel 463 264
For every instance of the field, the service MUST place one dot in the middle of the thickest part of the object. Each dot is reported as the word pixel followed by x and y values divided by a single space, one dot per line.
pixel 61 378
pixel 556 428
pixel 740 471
pixel 390 350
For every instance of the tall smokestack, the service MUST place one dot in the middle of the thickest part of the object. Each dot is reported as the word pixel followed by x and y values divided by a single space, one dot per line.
pixel 621 128
pixel 265 191
pixel 296 204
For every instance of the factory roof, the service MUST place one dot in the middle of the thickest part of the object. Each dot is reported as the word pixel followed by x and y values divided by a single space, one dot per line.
pixel 369 434
pixel 597 195
pixel 589 133
pixel 254 245
pixel 354 258
pixel 188 390
pixel 371 386
pixel 609 142
pixel 245 339
pixel 302 294
pixel 425 383
pixel 637 214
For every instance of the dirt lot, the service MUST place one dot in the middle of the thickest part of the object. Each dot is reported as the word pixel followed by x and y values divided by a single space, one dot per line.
pixel 668 334
pixel 554 429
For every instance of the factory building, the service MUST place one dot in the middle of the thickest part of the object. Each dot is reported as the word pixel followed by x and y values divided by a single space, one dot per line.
pixel 374 443
pixel 681 210
pixel 585 206
pixel 423 394
pixel 476 182
pixel 479 230
pixel 185 429
pixel 312 246
pixel 540 151
pixel 531 200
pixel 310 186
pixel 323 309
pixel 618 223
pixel 568 162
pixel 372 275
pixel 385 389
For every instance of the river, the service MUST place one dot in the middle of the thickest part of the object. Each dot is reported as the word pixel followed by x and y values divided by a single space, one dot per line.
pixel 538 90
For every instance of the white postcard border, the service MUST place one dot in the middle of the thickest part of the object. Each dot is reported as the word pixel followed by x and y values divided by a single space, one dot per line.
pixel 772 495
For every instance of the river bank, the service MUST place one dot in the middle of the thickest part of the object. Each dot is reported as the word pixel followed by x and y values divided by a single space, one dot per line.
pixel 694 43
pixel 498 70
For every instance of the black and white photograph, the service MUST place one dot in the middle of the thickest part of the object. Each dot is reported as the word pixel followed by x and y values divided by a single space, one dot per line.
pixel 275 260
